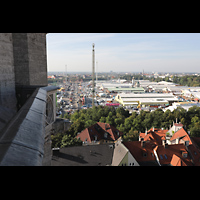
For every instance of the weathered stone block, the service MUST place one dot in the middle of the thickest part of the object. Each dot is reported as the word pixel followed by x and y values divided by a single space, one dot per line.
pixel 7 76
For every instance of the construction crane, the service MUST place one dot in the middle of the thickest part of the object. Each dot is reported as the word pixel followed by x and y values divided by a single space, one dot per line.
pixel 93 65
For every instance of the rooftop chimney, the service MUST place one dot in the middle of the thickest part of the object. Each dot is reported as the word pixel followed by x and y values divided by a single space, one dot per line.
pixel 106 126
pixel 146 131
pixel 142 143
pixel 166 145
pixel 187 143
pixel 163 142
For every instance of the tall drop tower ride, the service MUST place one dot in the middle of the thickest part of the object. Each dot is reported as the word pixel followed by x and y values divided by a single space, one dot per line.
pixel 93 66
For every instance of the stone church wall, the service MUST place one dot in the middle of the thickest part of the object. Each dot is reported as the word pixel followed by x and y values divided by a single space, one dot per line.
pixel 7 75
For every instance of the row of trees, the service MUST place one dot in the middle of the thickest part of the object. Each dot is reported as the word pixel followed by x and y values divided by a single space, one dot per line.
pixel 141 77
pixel 191 81
pixel 130 125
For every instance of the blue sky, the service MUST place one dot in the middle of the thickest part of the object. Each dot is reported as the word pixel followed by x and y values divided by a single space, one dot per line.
pixel 124 52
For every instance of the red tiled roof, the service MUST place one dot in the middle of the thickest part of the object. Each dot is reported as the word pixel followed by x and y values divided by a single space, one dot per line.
pixel 111 130
pixel 181 133
pixel 98 130
pixel 195 154
pixel 177 161
pixel 165 155
pixel 196 140
pixel 174 154
pixel 155 136
pixel 138 151
pixel 178 124
pixel 84 135
pixel 193 146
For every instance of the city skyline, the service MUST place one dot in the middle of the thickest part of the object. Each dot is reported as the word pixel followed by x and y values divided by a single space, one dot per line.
pixel 124 52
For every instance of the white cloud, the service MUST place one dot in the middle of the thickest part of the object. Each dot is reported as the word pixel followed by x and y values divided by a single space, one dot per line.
pixel 73 38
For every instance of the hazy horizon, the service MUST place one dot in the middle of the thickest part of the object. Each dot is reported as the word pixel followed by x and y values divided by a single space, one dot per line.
pixel 69 72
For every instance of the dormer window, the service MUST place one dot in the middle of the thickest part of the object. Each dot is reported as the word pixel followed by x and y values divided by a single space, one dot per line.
pixel 105 135
pixel 95 137
pixel 184 154
pixel 117 132
pixel 144 154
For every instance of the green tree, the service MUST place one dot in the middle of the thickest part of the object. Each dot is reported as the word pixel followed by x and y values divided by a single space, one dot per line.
pixel 131 136
pixel 148 121
pixel 82 116
pixel 75 116
pixel 118 121
pixel 110 118
pixel 106 111
pixel 69 140
pixel 122 128
pixel 89 123
pixel 168 115
pixel 66 116
pixel 179 113
pixel 195 110
pixel 76 127
pixel 95 115
pixel 175 79
pixel 102 119
pixel 157 118
pixel 132 124
pixel 195 131
pixel 56 140
pixel 101 112
pixel 194 120
pixel 128 123
pixel 195 127
pixel 167 79
pixel 123 112
pixel 137 124
pixel 191 81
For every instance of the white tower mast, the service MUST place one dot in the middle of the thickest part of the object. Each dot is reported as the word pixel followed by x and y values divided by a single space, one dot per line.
pixel 66 72
pixel 96 73
pixel 93 66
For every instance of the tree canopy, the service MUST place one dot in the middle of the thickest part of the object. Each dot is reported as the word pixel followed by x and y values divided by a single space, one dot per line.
pixel 189 80
pixel 129 124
